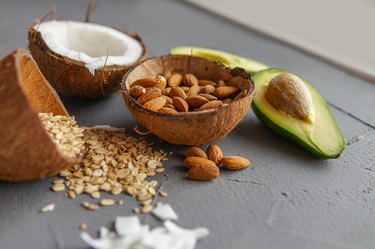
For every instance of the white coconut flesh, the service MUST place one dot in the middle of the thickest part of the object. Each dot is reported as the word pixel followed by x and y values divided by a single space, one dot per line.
pixel 93 44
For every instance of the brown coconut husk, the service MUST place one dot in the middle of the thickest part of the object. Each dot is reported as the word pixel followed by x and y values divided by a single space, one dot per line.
pixel 26 150
pixel 70 77
pixel 189 128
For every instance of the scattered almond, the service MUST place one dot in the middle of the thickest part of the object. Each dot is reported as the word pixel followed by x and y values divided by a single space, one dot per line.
pixel 194 151
pixel 194 161
pixel 203 172
pixel 214 153
pixel 234 162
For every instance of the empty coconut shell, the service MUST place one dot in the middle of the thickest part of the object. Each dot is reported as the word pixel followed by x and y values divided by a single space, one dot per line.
pixel 189 128
pixel 26 150
pixel 72 77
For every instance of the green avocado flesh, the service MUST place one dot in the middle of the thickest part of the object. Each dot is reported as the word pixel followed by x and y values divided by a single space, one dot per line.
pixel 226 58
pixel 322 137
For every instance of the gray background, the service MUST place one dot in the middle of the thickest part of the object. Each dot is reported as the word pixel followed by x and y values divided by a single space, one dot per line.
pixel 287 199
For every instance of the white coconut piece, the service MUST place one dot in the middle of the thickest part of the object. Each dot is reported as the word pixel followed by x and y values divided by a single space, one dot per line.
pixel 165 212
pixel 133 235
pixel 158 238
pixel 102 243
pixel 183 242
pixel 136 238
pixel 198 233
pixel 125 225
pixel 90 43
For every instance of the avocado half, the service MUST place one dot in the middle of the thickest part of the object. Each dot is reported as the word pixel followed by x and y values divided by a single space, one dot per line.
pixel 322 138
pixel 228 59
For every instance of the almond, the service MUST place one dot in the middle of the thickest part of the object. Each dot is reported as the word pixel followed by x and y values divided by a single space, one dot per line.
pixel 185 88
pixel 240 95
pixel 150 93
pixel 194 161
pixel 170 106
pixel 194 90
pixel 206 82
pixel 180 104
pixel 167 110
pixel 208 89
pixel 214 153
pixel 225 91
pixel 136 91
pixel 167 74
pixel 236 81
pixel 208 96
pixel 235 162
pixel 196 101
pixel 177 92
pixel 201 169
pixel 156 81
pixel 202 173
pixel 221 83
pixel 168 99
pixel 211 105
pixel 175 80
pixel 194 151
pixel 155 104
pixel 190 80
pixel 166 90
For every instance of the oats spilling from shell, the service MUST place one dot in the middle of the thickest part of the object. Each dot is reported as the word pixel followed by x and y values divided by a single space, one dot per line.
pixel 115 163
pixel 65 133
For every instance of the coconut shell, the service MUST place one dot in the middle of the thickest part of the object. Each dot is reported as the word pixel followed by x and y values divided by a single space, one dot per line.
pixel 189 128
pixel 70 77
pixel 26 150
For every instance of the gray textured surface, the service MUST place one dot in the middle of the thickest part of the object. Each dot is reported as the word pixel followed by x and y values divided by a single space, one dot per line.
pixel 287 199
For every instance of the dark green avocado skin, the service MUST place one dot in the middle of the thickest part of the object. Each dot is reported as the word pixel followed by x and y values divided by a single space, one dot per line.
pixel 289 135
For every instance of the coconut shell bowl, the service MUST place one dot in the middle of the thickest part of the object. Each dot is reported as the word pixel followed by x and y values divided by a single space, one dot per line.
pixel 194 127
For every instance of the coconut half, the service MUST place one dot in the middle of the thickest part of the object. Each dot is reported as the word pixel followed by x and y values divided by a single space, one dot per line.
pixel 83 59
pixel 26 150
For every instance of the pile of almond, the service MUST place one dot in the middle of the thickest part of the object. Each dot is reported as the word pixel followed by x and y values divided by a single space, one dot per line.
pixel 174 93
pixel 204 165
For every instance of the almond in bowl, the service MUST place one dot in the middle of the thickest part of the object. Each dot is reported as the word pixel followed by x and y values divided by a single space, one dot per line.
pixel 187 99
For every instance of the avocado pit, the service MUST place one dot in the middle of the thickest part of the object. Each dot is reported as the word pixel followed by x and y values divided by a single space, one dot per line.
pixel 287 93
